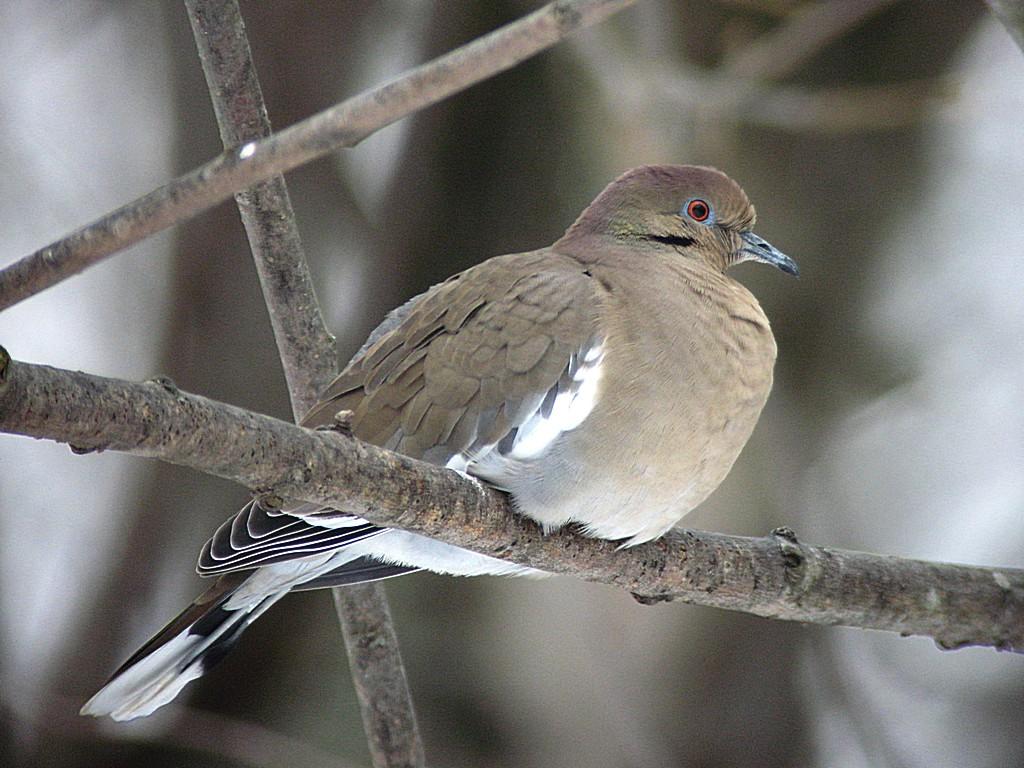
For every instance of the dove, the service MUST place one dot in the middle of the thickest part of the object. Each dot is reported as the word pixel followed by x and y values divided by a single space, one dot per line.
pixel 608 381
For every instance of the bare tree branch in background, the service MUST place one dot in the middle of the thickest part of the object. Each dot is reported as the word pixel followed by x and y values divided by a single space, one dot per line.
pixel 343 125
pixel 775 577
pixel 1011 13
pixel 833 110
pixel 306 347
pixel 773 56
pixel 310 361
pixel 803 34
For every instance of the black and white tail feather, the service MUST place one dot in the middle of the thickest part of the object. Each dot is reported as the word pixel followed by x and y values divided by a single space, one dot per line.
pixel 260 556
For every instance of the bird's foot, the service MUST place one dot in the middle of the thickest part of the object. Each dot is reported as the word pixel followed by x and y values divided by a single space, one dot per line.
pixel 341 423
pixel 652 599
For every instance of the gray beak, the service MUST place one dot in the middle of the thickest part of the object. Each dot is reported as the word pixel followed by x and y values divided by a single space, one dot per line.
pixel 758 249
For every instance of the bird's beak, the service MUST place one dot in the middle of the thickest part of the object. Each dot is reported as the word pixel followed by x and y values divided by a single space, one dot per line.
pixel 758 249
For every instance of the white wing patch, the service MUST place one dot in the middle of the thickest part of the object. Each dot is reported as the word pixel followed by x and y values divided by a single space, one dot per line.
pixel 569 410
pixel 564 408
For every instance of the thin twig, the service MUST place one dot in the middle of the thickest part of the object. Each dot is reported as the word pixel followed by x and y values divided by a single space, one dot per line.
pixel 379 676
pixel 807 31
pixel 658 87
pixel 307 350
pixel 855 109
pixel 343 125
pixel 772 57
pixel 775 576
pixel 308 356
pixel 1011 13
pixel 773 8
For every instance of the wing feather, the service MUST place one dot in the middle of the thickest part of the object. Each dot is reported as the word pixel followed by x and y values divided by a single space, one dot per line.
pixel 452 376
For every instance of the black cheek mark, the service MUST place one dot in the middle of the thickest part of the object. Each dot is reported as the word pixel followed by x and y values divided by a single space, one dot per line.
pixel 676 240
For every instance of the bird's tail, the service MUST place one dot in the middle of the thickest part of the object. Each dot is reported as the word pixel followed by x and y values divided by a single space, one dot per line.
pixel 182 651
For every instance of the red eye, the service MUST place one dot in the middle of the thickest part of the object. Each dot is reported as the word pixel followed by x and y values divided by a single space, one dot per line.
pixel 698 210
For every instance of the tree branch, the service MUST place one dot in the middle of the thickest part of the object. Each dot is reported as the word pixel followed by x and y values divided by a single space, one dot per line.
pixel 309 359
pixel 774 576
pixel 1011 13
pixel 343 125
pixel 800 37
pixel 307 350
pixel 774 56
pixel 653 86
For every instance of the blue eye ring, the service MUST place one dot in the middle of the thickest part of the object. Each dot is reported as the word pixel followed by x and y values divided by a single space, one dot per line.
pixel 700 211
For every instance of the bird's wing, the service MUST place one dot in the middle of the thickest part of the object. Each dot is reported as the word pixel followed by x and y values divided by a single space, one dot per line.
pixel 453 377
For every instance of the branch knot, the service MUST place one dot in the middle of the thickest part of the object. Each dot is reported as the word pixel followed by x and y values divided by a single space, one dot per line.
pixel 794 558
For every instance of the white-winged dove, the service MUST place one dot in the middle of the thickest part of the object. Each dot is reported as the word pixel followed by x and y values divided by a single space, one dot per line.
pixel 609 380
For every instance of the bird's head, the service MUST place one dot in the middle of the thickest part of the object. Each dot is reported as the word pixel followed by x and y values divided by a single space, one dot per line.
pixel 699 212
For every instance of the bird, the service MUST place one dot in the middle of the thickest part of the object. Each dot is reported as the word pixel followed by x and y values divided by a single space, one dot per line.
pixel 608 381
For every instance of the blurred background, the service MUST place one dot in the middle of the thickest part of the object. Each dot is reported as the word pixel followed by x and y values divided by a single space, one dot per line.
pixel 883 144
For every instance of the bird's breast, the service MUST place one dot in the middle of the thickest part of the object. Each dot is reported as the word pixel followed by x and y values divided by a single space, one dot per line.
pixel 681 387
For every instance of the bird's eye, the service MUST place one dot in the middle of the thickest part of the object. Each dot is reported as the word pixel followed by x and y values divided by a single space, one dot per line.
pixel 698 210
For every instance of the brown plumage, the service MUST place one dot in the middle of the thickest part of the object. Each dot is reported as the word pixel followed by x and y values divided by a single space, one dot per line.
pixel 688 360
pixel 609 380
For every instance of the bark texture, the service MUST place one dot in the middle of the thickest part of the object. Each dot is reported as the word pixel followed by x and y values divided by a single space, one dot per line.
pixel 309 359
pixel 776 576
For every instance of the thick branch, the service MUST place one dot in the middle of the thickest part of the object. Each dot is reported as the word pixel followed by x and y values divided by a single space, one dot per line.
pixel 774 576
pixel 308 356
pixel 343 125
